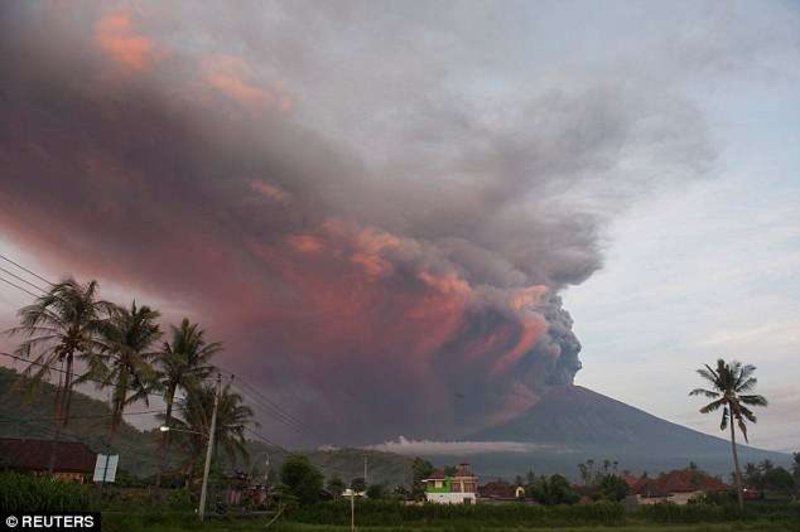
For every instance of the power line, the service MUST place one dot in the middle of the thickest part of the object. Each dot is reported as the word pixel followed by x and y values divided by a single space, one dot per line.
pixel 106 416
pixel 77 376
pixel 277 411
pixel 23 268
pixel 267 440
pixel 71 436
pixel 18 287
pixel 20 278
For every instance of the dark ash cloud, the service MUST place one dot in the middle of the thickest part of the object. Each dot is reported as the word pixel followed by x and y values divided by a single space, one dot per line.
pixel 375 231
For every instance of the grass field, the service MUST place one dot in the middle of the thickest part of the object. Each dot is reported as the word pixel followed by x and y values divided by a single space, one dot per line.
pixel 121 523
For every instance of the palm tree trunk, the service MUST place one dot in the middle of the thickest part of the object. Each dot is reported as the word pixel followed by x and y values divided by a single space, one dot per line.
pixel 63 396
pixel 57 404
pixel 67 399
pixel 119 404
pixel 164 447
pixel 738 471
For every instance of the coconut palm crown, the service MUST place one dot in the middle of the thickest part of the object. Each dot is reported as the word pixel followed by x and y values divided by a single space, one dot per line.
pixel 125 363
pixel 61 327
pixel 731 384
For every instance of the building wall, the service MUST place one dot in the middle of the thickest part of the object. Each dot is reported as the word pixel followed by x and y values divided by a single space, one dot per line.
pixel 683 498
pixel 451 498
pixel 676 498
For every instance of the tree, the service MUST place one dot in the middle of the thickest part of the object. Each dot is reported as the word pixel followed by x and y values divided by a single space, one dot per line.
pixel 613 488
pixel 358 485
pixel 554 490
pixel 336 487
pixel 779 479
pixel 376 491
pixel 233 418
pixel 61 327
pixel 301 478
pixel 125 361
pixel 730 383
pixel 420 470
pixel 796 468
pixel 183 364
pixel 530 478
pixel 753 478
pixel 584 472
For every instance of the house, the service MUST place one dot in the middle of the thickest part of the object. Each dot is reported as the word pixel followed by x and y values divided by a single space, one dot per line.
pixel 461 487
pixel 74 461
pixel 497 490
pixel 500 490
pixel 679 487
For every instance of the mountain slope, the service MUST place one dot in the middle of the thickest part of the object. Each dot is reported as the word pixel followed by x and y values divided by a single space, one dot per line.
pixel 572 423
pixel 30 415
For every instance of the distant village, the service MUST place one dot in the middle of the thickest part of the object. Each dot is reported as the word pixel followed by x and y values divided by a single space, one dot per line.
pixel 76 463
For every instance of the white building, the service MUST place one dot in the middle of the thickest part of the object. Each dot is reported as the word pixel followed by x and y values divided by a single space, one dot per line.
pixel 459 488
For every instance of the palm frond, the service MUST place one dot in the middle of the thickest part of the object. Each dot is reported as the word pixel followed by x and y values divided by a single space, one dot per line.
pixel 713 406
pixel 754 400
pixel 706 393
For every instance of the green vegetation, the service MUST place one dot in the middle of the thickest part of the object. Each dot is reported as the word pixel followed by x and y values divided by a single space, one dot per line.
pixel 730 383
pixel 26 493
pixel 31 415
pixel 765 477
pixel 60 327
pixel 124 362
pixel 384 516
pixel 302 480
pixel 117 349
pixel 183 365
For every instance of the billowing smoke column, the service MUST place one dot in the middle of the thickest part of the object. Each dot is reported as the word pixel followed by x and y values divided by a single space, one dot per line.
pixel 381 280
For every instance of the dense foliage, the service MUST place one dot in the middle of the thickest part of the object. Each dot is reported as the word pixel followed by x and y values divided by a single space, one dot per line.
pixel 27 493
pixel 390 513
pixel 302 480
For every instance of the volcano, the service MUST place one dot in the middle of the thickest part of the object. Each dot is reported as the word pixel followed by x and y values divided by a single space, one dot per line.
pixel 571 424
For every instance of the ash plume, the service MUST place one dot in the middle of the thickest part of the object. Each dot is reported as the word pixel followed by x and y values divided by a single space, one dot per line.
pixel 370 237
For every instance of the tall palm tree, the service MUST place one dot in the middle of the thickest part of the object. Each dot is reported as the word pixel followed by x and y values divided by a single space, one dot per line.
pixel 730 383
pixel 233 418
pixel 183 364
pixel 61 327
pixel 125 363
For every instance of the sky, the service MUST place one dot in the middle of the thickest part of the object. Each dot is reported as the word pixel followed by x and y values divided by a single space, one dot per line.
pixel 408 218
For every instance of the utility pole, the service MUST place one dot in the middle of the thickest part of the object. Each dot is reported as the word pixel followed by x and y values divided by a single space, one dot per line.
pixel 352 510
pixel 209 450
pixel 365 472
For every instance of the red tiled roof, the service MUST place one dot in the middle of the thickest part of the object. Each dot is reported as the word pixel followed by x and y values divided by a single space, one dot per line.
pixel 497 489
pixel 680 481
pixel 34 455
pixel 632 481
pixel 437 474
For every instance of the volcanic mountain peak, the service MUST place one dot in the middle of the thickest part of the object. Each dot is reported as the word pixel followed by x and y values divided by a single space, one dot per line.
pixel 578 423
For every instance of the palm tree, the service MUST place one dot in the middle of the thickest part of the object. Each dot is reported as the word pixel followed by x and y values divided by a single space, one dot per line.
pixel 233 418
pixel 61 327
pixel 126 361
pixel 183 364
pixel 730 383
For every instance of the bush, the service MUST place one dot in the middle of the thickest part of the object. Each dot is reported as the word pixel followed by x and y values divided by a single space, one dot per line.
pixel 393 513
pixel 28 493
pixel 613 488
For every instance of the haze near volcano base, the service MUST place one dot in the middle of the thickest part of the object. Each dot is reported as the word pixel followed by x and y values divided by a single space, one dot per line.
pixel 380 208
